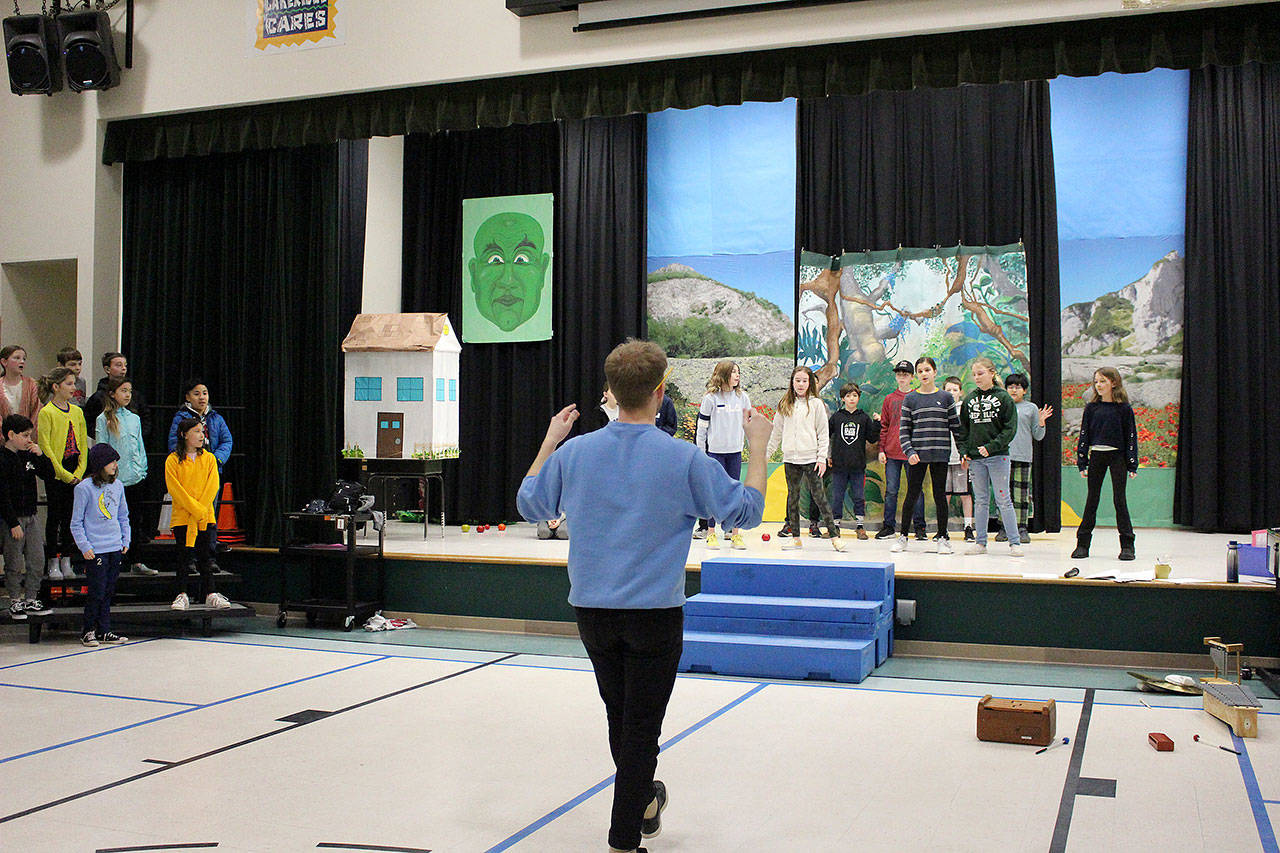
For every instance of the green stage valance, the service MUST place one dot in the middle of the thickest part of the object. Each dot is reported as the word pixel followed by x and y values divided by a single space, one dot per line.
pixel 1130 43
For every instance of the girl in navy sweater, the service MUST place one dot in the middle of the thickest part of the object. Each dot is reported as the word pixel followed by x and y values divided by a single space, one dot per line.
pixel 1108 442
pixel 930 418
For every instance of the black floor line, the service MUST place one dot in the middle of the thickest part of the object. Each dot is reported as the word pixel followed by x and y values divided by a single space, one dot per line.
pixel 137 776
pixel 1072 786
pixel 156 761
pixel 192 846
pixel 333 845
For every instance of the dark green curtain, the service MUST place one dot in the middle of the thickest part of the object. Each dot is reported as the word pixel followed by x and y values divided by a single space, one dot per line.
pixel 508 392
pixel 236 270
pixel 972 166
pixel 1127 43
pixel 1228 477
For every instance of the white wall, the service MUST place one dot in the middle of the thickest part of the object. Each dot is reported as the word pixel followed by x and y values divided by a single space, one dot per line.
pixel 38 311
pixel 57 201
pixel 384 235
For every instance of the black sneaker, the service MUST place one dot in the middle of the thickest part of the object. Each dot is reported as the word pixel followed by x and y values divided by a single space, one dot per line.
pixel 1001 537
pixel 1126 553
pixel 921 536
pixel 111 638
pixel 968 533
pixel 814 532
pixel 17 610
pixel 35 607
pixel 1080 553
pixel 785 531
pixel 651 826
pixel 1023 535
pixel 886 533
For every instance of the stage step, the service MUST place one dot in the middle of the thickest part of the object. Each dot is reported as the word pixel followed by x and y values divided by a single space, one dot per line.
pixel 798 578
pixel 783 607
pixel 135 614
pixel 778 657
pixel 881 631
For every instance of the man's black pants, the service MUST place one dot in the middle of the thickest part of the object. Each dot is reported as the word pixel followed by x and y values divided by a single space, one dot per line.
pixel 635 654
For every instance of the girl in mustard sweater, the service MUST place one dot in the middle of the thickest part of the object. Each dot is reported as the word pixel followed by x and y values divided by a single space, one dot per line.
pixel 61 433
pixel 191 473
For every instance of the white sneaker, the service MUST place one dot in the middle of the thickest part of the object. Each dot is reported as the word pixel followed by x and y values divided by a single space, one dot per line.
pixel 217 601
pixel 89 639
pixel 976 548
pixel 899 544
pixel 712 540
pixel 35 607
pixel 837 543
pixel 17 610
pixel 67 571
pixel 699 533
pixel 181 602
pixel 944 546
pixel 795 543
pixel 55 571
pixel 1015 550
pixel 144 569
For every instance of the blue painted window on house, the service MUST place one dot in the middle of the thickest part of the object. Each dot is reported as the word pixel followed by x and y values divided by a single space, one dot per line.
pixel 453 390
pixel 409 389
pixel 368 388
pixel 439 390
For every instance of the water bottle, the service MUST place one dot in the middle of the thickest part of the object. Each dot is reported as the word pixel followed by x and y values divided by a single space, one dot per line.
pixel 1233 562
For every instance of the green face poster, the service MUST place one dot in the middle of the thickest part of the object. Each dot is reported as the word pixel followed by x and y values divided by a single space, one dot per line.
pixel 506 268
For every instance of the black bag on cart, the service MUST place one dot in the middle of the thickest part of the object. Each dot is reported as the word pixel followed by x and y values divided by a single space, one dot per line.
pixel 349 497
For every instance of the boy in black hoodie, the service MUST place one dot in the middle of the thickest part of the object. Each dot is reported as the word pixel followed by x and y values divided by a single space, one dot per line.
pixel 850 429
pixel 20 463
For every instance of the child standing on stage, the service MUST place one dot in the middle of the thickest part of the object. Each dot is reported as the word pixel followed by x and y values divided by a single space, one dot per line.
pixel 71 359
pixel 120 428
pixel 1031 422
pixel 100 525
pixel 801 429
pixel 20 463
pixel 893 459
pixel 849 431
pixel 988 421
pixel 1108 442
pixel 929 421
pixel 191 473
pixel 21 395
pixel 63 438
pixel 957 470
pixel 720 434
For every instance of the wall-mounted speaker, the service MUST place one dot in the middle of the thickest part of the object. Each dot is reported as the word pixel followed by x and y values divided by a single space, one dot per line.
pixel 31 50
pixel 88 55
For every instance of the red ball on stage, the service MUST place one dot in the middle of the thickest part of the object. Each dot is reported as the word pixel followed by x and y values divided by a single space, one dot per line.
pixel 765 537
pixel 502 527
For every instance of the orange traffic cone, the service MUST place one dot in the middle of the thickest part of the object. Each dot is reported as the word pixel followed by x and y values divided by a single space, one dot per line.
pixel 228 528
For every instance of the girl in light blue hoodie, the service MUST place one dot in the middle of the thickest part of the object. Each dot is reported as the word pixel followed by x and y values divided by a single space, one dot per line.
pixel 100 527
pixel 120 428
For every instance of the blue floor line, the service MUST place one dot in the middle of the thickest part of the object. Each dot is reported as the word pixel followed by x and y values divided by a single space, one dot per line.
pixel 552 815
pixel 183 711
pixel 101 695
pixel 332 651
pixel 1266 833
pixel 81 652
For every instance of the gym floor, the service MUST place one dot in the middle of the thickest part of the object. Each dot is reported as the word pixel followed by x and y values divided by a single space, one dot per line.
pixel 301 739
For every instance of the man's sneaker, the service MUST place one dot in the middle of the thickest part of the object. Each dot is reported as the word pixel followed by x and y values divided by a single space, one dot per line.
pixel 181 602
pixel 944 545
pixel 837 543
pixel 921 535
pixel 886 533
pixel 651 826
pixel 144 569
pixel 89 639
pixel 18 610
pixel 968 533
pixel 976 548
pixel 111 638
pixel 795 543
pixel 35 607
pixel 217 601
pixel 1015 550
pixel 1080 553
pixel 1001 536
pixel 899 544
pixel 699 533
pixel 737 542
pixel 712 540
pixel 814 532
pixel 861 532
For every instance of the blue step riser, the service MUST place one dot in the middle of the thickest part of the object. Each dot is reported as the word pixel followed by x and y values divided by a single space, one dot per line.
pixel 780 627
pixel 762 661
pixel 866 582
pixel 698 605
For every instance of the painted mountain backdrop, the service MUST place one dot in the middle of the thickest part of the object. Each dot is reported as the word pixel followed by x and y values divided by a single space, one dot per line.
pixel 1142 317
pixel 694 316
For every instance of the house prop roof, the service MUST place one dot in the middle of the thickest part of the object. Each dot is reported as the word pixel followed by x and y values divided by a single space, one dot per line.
pixel 396 332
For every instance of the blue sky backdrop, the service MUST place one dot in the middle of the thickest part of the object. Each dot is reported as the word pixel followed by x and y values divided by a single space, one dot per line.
pixel 1120 163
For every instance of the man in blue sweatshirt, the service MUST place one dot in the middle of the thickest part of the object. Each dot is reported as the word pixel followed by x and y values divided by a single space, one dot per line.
pixel 632 495
pixel 100 527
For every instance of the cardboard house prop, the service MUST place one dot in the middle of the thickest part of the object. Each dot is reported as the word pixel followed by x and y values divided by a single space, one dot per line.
pixel 400 394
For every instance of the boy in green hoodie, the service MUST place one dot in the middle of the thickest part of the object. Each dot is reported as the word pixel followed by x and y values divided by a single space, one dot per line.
pixel 988 422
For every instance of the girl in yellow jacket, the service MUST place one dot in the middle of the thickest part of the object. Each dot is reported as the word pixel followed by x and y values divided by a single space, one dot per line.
pixel 191 473
pixel 61 433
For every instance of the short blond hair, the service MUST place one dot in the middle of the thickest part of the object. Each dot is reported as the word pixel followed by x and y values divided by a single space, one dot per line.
pixel 635 369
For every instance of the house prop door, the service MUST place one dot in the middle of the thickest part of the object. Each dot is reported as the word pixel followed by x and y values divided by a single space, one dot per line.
pixel 390 435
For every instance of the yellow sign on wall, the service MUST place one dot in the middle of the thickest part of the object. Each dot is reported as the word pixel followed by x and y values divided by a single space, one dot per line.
pixel 296 23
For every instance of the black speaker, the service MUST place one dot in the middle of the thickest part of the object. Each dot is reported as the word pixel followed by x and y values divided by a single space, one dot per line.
pixel 88 56
pixel 32 53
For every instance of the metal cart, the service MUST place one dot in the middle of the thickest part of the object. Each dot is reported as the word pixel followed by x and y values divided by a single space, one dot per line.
pixel 348 550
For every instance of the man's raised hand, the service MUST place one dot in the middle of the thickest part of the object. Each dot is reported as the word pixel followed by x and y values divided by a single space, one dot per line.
pixel 561 423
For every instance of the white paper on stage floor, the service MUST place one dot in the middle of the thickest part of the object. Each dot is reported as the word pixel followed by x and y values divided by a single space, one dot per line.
pixel 1121 577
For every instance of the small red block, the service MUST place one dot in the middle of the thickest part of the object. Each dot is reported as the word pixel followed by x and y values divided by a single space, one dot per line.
pixel 1160 742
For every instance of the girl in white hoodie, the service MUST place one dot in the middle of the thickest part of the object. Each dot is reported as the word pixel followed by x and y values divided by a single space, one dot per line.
pixel 801 429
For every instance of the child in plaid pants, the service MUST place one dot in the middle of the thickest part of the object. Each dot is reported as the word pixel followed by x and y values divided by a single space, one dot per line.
pixel 1031 421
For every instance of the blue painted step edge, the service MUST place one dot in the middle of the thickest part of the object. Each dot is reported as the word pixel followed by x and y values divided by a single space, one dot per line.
pixel 778 657
pixel 781 607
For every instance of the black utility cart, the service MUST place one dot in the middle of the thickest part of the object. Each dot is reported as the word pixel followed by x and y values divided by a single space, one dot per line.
pixel 316 537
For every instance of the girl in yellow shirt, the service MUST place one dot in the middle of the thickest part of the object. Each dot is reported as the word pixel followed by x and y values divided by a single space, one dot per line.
pixel 61 433
pixel 191 473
